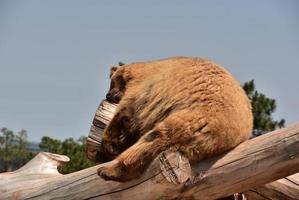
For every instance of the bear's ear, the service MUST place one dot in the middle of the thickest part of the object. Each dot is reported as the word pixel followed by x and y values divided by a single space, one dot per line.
pixel 113 69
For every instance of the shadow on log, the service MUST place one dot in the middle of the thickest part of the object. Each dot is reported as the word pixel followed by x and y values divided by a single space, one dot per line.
pixel 255 162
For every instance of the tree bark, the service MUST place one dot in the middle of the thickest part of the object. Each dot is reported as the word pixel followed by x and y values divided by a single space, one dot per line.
pixel 255 162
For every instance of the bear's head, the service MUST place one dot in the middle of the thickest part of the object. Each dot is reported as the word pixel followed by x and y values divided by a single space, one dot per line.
pixel 116 137
pixel 119 78
pixel 120 133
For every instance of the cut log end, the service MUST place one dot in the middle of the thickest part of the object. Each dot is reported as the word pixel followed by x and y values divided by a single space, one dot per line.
pixel 60 159
pixel 44 163
pixel 103 116
pixel 175 167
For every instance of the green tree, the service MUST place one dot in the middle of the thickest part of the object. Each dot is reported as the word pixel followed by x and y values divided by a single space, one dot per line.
pixel 7 149
pixel 21 139
pixel 13 149
pixel 262 108
pixel 22 155
pixel 50 145
pixel 76 151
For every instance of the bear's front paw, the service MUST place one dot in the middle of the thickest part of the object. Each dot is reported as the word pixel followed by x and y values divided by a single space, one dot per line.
pixel 113 171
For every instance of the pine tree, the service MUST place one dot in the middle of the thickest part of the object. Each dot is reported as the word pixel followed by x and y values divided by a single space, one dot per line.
pixel 262 108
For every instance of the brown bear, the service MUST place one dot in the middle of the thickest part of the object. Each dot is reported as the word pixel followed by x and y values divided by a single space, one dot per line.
pixel 191 105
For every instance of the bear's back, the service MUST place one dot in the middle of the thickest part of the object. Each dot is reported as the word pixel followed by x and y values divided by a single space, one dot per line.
pixel 189 81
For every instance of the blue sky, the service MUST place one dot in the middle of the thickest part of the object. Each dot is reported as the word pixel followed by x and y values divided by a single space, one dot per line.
pixel 55 55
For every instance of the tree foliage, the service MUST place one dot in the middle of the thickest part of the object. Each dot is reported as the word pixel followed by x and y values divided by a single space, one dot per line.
pixel 50 145
pixel 13 149
pixel 262 108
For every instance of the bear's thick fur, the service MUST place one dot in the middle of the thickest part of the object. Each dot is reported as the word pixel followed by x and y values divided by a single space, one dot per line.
pixel 189 104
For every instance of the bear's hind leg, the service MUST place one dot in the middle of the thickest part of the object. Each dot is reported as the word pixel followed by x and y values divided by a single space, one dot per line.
pixel 175 131
pixel 132 162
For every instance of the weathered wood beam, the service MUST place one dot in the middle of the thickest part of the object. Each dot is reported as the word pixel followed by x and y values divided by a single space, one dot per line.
pixel 258 161
pixel 282 189
pixel 42 181
pixel 255 162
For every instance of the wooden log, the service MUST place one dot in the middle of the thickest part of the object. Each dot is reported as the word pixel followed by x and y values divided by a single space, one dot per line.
pixel 103 115
pixel 47 183
pixel 255 162
pixel 282 189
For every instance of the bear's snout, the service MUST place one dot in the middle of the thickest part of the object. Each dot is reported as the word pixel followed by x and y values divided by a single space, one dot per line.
pixel 113 96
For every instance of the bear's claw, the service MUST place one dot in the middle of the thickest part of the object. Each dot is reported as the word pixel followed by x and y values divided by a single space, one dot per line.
pixel 112 171
pixel 108 173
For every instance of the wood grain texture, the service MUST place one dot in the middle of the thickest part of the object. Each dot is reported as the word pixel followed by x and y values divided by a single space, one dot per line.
pixel 258 161
pixel 282 189
pixel 85 184
pixel 103 115
pixel 253 163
